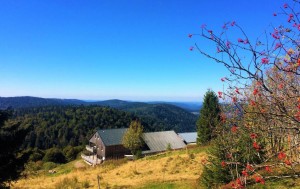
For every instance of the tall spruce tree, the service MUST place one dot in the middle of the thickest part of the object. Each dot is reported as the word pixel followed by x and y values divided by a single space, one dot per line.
pixel 209 117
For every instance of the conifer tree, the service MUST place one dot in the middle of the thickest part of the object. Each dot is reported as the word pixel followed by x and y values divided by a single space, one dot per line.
pixel 209 117
pixel 11 160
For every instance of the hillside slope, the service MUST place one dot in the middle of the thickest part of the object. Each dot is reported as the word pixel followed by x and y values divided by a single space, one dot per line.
pixel 60 126
pixel 175 118
pixel 188 106
pixel 178 168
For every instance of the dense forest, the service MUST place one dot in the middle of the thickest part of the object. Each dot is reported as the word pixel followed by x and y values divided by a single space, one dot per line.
pixel 60 126
pixel 62 122
pixel 160 115
pixel 173 117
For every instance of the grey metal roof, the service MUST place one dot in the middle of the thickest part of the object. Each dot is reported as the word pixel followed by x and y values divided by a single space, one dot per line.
pixel 189 137
pixel 158 141
pixel 112 137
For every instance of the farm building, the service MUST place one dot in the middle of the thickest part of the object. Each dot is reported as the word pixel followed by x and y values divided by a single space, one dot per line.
pixel 159 141
pixel 188 138
pixel 105 143
pixel 108 144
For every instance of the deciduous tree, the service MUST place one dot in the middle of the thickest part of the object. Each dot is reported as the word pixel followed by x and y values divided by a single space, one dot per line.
pixel 263 98
pixel 133 137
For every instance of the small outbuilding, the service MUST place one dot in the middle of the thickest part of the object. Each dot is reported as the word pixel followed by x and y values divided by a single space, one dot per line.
pixel 188 138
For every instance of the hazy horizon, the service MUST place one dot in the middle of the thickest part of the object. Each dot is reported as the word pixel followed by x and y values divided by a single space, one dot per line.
pixel 106 99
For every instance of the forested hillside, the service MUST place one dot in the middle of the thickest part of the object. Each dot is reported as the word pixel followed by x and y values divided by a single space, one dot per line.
pixel 169 116
pixel 174 117
pixel 59 126
pixel 66 125
pixel 158 116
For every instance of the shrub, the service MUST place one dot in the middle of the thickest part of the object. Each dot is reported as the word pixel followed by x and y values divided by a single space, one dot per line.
pixel 138 154
pixel 169 147
pixel 229 156
pixel 49 165
pixel 36 155
pixel 68 183
pixel 71 152
pixel 31 167
pixel 86 184
pixel 192 156
pixel 54 155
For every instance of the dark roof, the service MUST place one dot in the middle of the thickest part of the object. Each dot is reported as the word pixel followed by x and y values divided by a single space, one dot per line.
pixel 158 141
pixel 189 137
pixel 112 137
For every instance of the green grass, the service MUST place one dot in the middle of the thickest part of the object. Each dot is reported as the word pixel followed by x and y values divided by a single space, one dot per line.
pixel 169 185
pixel 278 184
pixel 62 169
pixel 159 186
pixel 191 150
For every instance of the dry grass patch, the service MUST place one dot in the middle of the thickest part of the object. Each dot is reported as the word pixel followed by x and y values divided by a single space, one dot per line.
pixel 174 167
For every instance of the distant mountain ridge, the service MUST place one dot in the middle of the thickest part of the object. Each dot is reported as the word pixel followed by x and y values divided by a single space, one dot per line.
pixel 29 101
pixel 170 116
pixel 189 106
pixel 119 104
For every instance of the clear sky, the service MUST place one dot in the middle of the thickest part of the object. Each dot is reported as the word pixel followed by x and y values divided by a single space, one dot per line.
pixel 125 49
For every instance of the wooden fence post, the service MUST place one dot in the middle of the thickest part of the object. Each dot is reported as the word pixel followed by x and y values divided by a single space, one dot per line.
pixel 98 178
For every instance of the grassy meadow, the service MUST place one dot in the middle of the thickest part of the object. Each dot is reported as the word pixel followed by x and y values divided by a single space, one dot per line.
pixel 171 170
pixel 174 169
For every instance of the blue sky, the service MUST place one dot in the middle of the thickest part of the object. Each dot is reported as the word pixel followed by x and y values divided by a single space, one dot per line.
pixel 106 49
